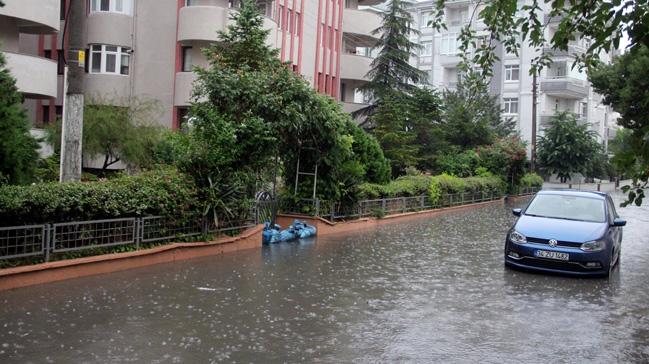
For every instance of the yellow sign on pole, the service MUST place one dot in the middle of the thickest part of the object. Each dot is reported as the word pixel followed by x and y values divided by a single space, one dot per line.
pixel 81 58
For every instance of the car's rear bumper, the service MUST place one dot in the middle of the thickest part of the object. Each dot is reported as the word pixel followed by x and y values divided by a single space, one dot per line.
pixel 523 257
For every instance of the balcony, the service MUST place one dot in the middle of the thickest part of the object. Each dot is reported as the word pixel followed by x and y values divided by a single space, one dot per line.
pixel 370 2
pixel 361 23
pixel 184 87
pixel 566 87
pixel 35 77
pixel 110 28
pixel 573 49
pixel 350 107
pixel 202 23
pixel 354 67
pixel 34 16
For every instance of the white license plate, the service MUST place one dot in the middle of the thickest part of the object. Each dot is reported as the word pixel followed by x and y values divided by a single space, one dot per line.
pixel 551 255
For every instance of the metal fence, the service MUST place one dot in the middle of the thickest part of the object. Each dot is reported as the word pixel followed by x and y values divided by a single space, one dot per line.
pixel 46 239
pixel 386 206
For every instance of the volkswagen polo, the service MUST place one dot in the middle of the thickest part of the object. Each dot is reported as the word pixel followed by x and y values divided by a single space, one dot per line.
pixel 568 232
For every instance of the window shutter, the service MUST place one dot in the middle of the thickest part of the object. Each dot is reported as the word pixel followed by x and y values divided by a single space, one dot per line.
pixel 87 65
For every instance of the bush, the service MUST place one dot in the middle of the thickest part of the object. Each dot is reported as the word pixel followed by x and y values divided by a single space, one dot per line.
pixel 531 180
pixel 484 184
pixel 458 164
pixel 163 192
pixel 450 184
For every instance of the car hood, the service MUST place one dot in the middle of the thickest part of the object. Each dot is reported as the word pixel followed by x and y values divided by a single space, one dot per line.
pixel 559 229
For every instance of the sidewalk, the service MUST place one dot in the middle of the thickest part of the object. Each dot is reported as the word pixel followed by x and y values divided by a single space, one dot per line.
pixel 603 186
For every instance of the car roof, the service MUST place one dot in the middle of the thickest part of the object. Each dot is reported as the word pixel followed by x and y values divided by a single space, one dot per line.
pixel 570 192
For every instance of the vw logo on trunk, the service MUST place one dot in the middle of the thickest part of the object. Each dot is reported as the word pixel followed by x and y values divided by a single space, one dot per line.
pixel 552 242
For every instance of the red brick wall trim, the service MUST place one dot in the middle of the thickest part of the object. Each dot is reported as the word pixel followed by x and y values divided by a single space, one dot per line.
pixel 107 263
pixel 326 227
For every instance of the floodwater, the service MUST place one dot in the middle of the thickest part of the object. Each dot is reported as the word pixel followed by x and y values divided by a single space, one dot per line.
pixel 429 290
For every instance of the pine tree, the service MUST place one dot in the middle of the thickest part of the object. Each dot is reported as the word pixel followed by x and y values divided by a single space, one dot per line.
pixel 244 45
pixel 391 69
pixel 18 149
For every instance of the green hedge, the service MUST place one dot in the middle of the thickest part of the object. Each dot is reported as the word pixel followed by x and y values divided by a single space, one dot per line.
pixel 163 192
pixel 420 185
pixel 531 180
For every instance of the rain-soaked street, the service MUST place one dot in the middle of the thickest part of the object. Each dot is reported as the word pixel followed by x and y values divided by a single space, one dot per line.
pixel 428 290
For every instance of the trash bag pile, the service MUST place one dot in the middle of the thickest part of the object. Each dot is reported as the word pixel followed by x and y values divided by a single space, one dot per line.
pixel 298 230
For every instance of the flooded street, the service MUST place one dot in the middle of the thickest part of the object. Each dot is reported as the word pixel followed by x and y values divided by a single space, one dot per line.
pixel 428 290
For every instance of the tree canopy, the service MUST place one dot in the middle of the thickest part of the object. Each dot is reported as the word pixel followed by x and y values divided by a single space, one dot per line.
pixel 18 149
pixel 391 69
pixel 567 147
pixel 624 84
pixel 123 133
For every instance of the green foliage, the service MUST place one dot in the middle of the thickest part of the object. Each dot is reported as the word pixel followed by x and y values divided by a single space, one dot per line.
pixel 456 163
pixel 161 192
pixel 531 180
pixel 434 192
pixel 624 85
pixel 505 158
pixel 449 184
pixel 47 169
pixel 18 149
pixel 472 117
pixel 116 133
pixel 391 69
pixel 566 147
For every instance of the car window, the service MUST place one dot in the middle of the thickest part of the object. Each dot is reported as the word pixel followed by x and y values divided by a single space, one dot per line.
pixel 568 207
pixel 611 206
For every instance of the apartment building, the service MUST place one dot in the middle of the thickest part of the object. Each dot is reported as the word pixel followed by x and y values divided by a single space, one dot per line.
pixel 147 48
pixel 560 87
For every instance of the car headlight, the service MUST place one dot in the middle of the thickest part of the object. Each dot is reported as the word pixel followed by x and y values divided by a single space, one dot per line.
pixel 517 238
pixel 593 246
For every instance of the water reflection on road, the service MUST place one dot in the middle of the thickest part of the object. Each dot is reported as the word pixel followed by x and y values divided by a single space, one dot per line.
pixel 429 290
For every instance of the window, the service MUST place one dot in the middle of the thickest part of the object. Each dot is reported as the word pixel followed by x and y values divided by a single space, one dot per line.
pixel 426 52
pixel 510 105
pixel 111 6
pixel 109 59
pixel 297 24
pixel 62 10
pixel 512 72
pixel 426 19
pixel 187 59
pixel 583 110
pixel 47 54
pixel 60 62
pixel 46 114
pixel 449 44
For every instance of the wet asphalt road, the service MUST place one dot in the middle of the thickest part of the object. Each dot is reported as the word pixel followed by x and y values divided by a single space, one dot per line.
pixel 429 290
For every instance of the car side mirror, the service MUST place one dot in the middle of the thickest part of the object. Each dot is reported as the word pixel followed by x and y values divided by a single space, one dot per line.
pixel 619 222
pixel 517 212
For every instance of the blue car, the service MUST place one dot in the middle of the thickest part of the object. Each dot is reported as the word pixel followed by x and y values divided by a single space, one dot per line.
pixel 567 232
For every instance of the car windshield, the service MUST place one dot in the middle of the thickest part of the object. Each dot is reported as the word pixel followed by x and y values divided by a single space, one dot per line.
pixel 567 207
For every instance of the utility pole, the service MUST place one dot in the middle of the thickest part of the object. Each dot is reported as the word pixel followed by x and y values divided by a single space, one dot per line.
pixel 72 130
pixel 533 146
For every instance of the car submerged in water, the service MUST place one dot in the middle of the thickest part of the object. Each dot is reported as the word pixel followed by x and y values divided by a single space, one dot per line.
pixel 567 232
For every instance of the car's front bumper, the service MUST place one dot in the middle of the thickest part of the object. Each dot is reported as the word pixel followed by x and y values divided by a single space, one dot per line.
pixel 522 256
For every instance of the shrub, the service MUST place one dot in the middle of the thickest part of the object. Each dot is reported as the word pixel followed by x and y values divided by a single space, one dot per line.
pixel 484 184
pixel 531 180
pixel 161 192
pixel 434 192
pixel 450 184
pixel 458 164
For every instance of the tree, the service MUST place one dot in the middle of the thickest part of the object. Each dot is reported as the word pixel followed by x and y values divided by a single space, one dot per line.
pixel 391 70
pixel 624 84
pixel 252 114
pixel 114 133
pixel 18 149
pixel 472 117
pixel 567 147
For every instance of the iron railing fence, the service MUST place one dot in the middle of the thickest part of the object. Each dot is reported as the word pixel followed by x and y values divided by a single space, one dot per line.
pixel 386 206
pixel 43 240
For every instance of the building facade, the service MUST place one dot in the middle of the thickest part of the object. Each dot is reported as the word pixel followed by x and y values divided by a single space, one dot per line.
pixel 147 48
pixel 560 87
